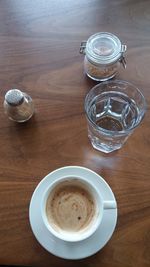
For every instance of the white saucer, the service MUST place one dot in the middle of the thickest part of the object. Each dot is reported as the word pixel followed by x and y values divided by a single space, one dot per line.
pixel 69 250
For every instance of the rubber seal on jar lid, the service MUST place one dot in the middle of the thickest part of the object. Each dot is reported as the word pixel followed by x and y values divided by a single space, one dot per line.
pixel 14 97
pixel 104 48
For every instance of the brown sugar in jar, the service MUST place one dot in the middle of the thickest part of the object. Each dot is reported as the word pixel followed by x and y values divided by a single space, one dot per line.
pixel 103 55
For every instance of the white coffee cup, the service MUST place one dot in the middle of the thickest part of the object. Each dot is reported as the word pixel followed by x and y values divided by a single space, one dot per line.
pixel 75 174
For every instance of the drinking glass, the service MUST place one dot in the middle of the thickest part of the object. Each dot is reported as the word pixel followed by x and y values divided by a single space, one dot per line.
pixel 113 110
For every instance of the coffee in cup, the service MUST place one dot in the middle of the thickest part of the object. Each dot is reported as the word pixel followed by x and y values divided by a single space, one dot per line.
pixel 72 209
pixel 70 206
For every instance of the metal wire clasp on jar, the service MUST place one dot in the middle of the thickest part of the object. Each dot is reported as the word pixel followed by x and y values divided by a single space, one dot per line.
pixel 103 55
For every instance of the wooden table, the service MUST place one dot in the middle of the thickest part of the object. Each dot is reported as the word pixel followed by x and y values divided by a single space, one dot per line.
pixel 39 53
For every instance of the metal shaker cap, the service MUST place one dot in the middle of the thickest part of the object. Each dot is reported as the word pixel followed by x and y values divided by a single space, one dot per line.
pixel 14 97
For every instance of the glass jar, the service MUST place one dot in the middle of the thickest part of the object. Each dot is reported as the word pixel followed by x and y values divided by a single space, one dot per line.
pixel 103 55
pixel 18 105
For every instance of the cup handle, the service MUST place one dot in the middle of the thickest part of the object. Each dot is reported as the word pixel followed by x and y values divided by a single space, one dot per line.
pixel 110 204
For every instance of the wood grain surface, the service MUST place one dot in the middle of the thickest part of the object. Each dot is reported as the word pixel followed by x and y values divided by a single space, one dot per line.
pixel 39 54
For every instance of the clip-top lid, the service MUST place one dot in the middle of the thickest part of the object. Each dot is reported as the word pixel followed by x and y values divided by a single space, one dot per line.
pixel 104 48
pixel 14 97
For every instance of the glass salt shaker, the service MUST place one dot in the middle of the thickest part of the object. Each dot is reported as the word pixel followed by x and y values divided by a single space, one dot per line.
pixel 18 105
pixel 103 55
